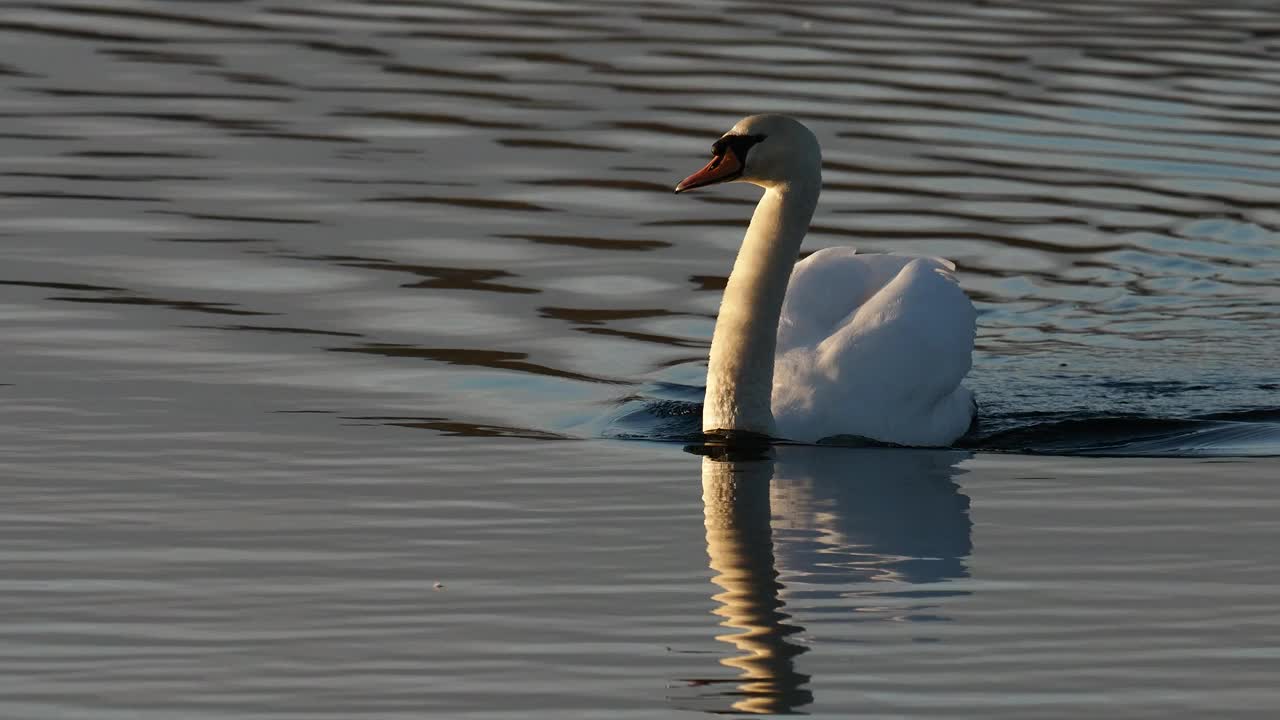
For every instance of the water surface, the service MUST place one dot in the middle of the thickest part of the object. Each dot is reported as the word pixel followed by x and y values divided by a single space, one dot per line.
pixel 311 306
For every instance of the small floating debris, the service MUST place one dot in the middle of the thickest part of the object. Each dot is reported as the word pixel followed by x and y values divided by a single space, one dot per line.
pixel 438 586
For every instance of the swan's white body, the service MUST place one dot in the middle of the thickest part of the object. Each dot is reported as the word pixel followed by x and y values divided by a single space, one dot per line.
pixel 872 346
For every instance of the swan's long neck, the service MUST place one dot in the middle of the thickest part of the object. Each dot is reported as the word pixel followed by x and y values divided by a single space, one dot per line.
pixel 740 371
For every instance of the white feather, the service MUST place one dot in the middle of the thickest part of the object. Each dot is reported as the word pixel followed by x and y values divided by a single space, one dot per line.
pixel 873 346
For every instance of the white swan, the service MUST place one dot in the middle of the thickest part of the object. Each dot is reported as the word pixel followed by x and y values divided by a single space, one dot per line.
pixel 873 346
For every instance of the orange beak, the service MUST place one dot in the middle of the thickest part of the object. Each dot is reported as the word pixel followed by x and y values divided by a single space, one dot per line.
pixel 722 168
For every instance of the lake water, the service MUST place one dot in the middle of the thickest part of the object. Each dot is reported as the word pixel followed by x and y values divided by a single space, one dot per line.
pixel 352 349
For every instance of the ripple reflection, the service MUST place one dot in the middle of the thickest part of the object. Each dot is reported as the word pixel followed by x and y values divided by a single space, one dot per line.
pixel 880 527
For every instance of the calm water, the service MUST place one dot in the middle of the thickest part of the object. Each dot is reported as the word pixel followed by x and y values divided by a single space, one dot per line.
pixel 310 307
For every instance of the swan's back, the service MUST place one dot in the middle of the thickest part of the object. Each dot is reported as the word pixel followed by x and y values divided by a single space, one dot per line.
pixel 874 346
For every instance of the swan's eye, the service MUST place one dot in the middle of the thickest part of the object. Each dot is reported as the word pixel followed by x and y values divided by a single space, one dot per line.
pixel 738 144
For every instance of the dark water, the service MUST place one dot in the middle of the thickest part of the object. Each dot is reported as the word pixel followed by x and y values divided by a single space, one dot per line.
pixel 291 291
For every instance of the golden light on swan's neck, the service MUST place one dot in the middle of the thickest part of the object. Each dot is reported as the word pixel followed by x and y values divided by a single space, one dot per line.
pixel 740 366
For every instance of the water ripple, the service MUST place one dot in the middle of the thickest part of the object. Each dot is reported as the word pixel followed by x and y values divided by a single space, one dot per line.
pixel 252 247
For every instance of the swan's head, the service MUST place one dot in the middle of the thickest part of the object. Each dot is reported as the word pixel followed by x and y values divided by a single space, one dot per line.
pixel 764 150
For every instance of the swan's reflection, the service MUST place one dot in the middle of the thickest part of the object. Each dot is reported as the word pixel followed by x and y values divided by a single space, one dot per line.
pixel 735 499
pixel 825 517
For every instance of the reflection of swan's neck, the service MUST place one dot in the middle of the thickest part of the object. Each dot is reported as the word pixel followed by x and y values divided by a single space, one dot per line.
pixel 740 372
pixel 740 545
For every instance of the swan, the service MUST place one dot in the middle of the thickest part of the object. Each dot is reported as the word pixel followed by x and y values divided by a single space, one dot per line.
pixel 838 344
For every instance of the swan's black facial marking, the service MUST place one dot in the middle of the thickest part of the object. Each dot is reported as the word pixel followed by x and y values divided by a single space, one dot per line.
pixel 728 158
pixel 737 144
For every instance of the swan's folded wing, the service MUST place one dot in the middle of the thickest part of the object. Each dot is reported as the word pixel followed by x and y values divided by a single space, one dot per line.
pixel 878 349
pixel 914 335
pixel 826 288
